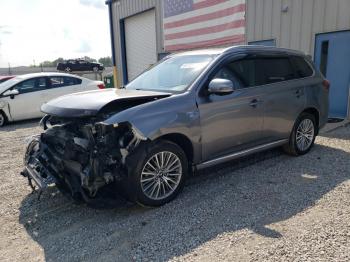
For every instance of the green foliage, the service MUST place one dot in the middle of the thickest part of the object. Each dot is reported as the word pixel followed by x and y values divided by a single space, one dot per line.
pixel 106 61
pixel 89 59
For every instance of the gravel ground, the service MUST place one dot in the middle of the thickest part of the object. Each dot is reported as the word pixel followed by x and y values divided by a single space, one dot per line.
pixel 266 207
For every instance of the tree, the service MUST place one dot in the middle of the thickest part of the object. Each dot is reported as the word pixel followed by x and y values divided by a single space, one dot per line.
pixel 89 59
pixel 106 61
pixel 58 60
pixel 46 64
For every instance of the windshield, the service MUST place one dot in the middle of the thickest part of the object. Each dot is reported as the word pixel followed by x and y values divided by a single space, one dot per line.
pixel 173 74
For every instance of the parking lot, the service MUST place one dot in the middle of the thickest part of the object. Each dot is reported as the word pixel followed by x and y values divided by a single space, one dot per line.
pixel 266 207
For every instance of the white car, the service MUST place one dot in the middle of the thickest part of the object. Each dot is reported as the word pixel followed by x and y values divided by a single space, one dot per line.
pixel 21 97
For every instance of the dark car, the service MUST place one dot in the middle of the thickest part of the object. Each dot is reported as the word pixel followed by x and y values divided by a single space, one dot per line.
pixel 5 78
pixel 74 65
pixel 190 111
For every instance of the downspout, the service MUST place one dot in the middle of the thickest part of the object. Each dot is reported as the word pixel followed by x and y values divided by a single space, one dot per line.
pixel 111 28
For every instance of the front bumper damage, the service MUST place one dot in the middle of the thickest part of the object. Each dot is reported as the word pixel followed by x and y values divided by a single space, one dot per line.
pixel 80 158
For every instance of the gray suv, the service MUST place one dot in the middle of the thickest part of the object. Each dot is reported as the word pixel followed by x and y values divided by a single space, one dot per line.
pixel 188 112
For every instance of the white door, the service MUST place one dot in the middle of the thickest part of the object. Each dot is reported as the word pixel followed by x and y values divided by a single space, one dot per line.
pixel 32 94
pixel 140 42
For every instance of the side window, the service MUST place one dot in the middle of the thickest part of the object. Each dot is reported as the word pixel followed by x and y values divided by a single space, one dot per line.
pixel 69 81
pixel 26 86
pixel 241 72
pixel 32 85
pixel 302 68
pixel 245 71
pixel 276 69
pixel 56 81
pixel 226 73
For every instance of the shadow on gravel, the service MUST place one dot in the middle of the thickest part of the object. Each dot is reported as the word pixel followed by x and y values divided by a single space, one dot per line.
pixel 14 126
pixel 246 194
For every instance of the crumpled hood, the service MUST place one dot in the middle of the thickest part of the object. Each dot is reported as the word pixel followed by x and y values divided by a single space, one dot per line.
pixel 91 102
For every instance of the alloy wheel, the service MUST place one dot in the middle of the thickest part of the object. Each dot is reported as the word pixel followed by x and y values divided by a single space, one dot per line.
pixel 305 134
pixel 161 175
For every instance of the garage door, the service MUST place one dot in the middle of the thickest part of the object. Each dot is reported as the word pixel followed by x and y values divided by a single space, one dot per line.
pixel 140 42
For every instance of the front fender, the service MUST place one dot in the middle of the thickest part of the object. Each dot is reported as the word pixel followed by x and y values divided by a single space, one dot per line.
pixel 173 114
pixel 176 114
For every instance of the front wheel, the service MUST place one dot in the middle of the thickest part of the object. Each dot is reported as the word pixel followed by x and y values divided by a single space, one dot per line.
pixel 95 69
pixel 303 135
pixel 159 176
pixel 2 119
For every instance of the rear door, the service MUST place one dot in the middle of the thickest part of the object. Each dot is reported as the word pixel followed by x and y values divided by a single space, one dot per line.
pixel 284 96
pixel 61 85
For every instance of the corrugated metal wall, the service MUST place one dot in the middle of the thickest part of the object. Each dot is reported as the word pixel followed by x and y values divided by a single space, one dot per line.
pixel 126 8
pixel 297 27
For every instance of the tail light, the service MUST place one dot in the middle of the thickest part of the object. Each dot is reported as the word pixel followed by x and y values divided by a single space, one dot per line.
pixel 326 84
pixel 101 86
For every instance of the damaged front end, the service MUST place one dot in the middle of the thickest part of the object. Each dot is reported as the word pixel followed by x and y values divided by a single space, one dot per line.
pixel 81 156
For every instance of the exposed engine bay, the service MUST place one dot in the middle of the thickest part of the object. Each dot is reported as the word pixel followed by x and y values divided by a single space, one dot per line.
pixel 82 154
pixel 81 157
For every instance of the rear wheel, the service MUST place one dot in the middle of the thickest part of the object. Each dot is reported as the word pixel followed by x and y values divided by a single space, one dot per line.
pixel 160 175
pixel 3 119
pixel 303 135
pixel 67 69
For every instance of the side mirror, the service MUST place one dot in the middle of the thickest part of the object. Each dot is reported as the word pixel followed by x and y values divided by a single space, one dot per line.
pixel 11 93
pixel 221 86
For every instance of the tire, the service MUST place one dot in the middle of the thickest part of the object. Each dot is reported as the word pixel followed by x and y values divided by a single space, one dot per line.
pixel 309 131
pixel 68 69
pixel 95 69
pixel 166 184
pixel 3 119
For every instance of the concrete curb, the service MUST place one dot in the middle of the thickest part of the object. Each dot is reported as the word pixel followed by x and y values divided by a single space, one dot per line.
pixel 333 126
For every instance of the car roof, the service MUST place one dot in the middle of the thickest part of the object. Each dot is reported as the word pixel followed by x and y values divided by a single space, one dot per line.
pixel 43 74
pixel 241 48
pixel 6 77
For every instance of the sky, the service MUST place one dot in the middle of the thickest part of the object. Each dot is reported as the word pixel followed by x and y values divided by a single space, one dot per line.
pixel 40 30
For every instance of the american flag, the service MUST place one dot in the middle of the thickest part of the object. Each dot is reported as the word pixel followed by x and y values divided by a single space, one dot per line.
pixel 191 24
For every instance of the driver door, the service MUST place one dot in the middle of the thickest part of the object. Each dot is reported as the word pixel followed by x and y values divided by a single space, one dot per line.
pixel 231 122
pixel 32 94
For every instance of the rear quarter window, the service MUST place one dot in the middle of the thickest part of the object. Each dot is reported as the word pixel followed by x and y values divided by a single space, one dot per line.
pixel 69 81
pixel 302 68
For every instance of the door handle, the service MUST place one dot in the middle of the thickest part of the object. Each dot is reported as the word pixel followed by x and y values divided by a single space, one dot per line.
pixel 255 103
